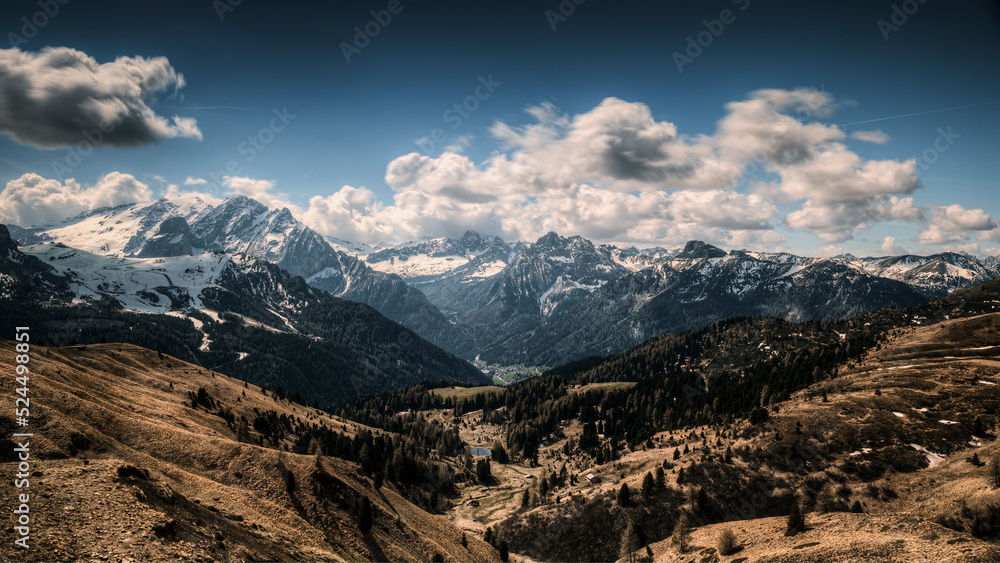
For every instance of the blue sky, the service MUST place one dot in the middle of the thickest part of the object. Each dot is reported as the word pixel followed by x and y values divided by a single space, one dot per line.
pixel 352 119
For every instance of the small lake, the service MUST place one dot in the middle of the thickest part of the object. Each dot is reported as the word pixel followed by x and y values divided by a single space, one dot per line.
pixel 480 451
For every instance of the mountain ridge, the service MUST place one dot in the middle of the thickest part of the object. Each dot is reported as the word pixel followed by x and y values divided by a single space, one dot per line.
pixel 538 303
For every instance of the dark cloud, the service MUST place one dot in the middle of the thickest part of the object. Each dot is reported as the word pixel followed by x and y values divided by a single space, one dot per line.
pixel 61 96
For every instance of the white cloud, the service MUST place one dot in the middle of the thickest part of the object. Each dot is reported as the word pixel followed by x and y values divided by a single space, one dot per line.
pixel 615 171
pixel 260 190
pixel 878 137
pixel 459 144
pixel 954 223
pixel 33 200
pixel 349 214
pixel 60 96
pixel 833 174
pixel 837 222
pixel 967 248
pixel 828 251
pixel 890 248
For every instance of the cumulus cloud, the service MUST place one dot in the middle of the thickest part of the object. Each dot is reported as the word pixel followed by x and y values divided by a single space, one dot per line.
pixel 33 200
pixel 832 174
pixel 837 222
pixel 954 223
pixel 776 127
pixel 60 96
pixel 260 190
pixel 828 251
pixel 967 248
pixel 890 248
pixel 616 171
pixel 350 214
pixel 878 137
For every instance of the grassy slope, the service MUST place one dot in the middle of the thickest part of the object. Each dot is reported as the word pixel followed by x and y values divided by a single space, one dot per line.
pixel 463 393
pixel 941 368
pixel 119 399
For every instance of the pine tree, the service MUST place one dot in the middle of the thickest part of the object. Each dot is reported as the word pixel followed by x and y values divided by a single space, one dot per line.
pixel 680 476
pixel 995 470
pixel 796 522
pixel 647 485
pixel 365 516
pixel 682 532
pixel 624 495
pixel 660 477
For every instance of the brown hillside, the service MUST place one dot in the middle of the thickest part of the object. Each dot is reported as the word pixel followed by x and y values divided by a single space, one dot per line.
pixel 893 435
pixel 119 453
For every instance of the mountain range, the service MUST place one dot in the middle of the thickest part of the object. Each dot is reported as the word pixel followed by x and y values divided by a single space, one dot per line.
pixel 545 302
pixel 234 313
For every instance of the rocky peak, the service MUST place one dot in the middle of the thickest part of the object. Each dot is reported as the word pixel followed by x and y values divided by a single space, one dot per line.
pixel 699 249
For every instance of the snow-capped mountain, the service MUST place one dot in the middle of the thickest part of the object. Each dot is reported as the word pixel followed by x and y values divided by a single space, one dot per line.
pixel 238 313
pixel 636 259
pixel 564 298
pixel 240 225
pixel 545 302
pixel 471 256
pixel 933 275
pixel 694 291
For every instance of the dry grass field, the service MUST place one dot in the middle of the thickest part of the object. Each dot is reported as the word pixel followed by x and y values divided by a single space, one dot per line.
pixel 126 468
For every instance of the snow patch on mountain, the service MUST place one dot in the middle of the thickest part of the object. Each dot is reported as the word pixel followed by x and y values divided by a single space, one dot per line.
pixel 151 285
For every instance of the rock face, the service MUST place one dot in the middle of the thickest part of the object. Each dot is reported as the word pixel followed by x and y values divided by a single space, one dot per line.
pixel 173 238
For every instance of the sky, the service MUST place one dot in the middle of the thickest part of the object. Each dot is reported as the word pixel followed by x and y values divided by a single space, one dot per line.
pixel 811 127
